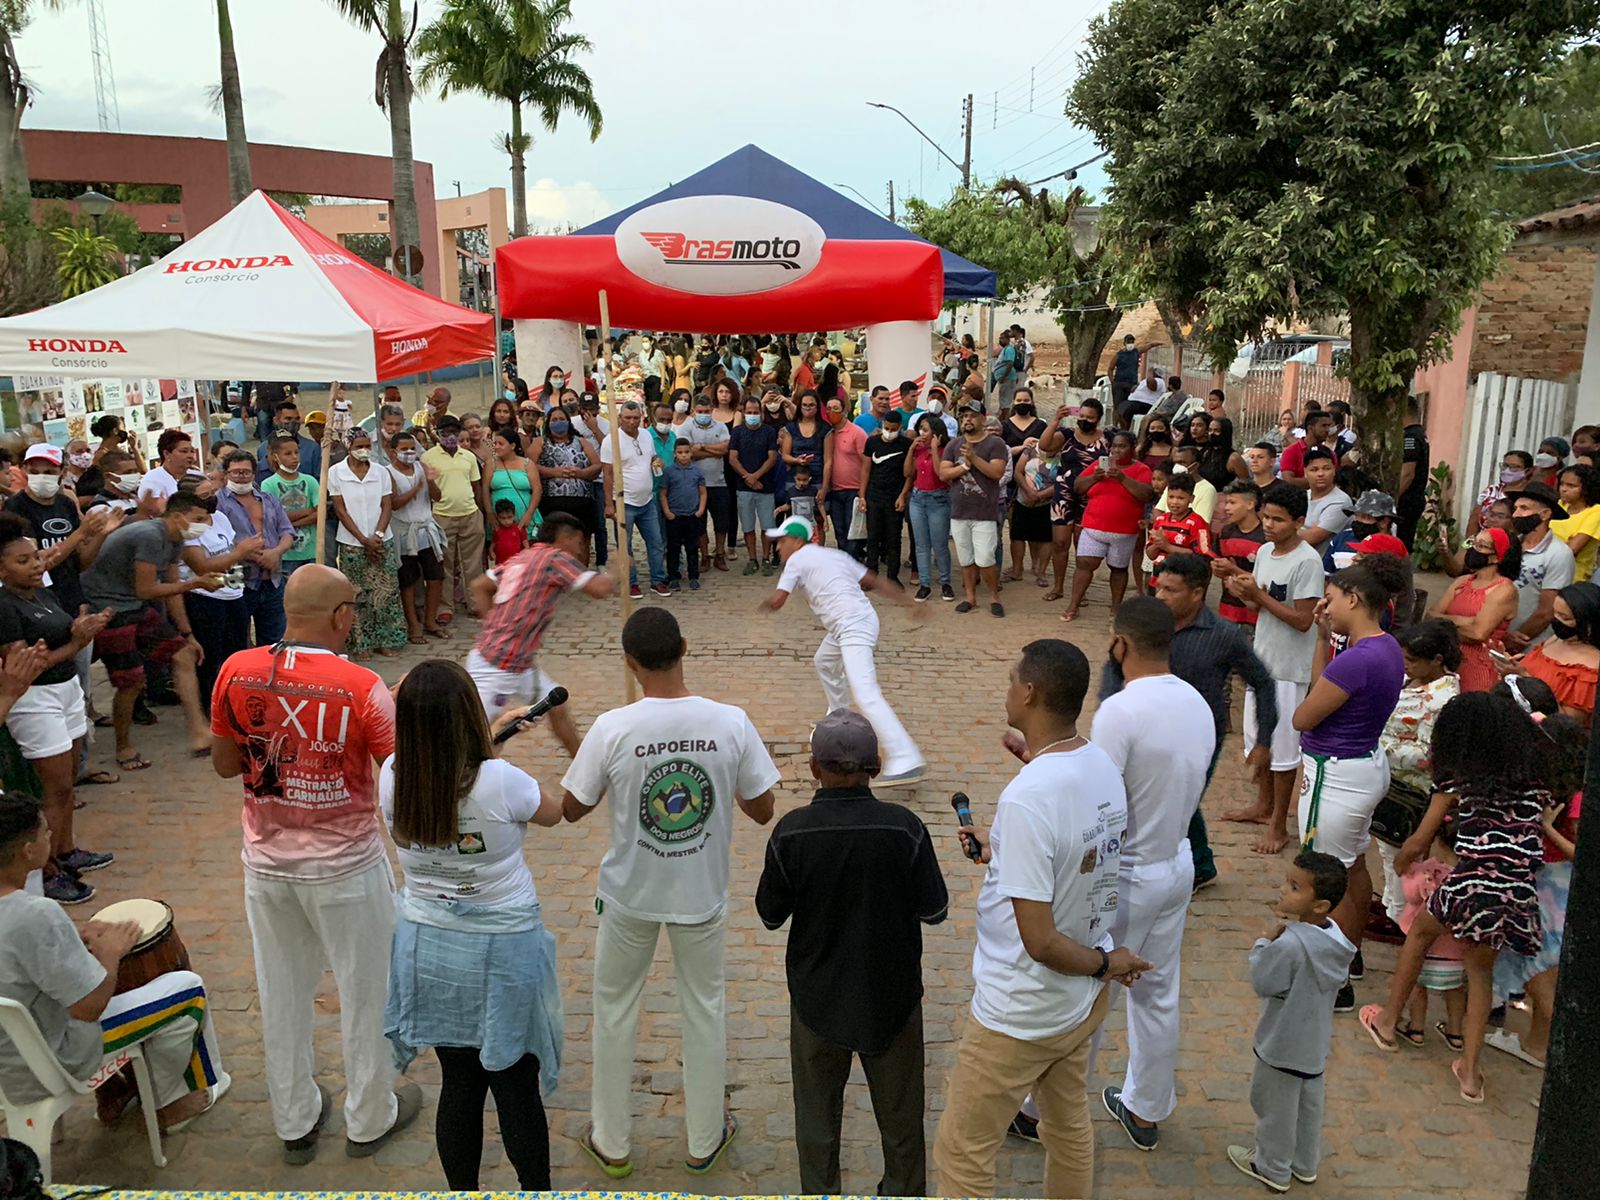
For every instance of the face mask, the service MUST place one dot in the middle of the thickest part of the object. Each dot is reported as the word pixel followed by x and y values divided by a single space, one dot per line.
pixel 1511 475
pixel 702 419
pixel 1562 630
pixel 1525 525
pixel 81 461
pixel 663 427
pixel 292 427
pixel 680 407
pixel 832 418
pixel 190 532
pixel 937 406
pixel 408 457
pixel 1023 410
pixel 1475 560
pixel 1545 461
pixel 888 435
pixel 510 395
pixel 44 486
pixel 560 428
pixel 1157 438
pixel 362 455
pixel 772 408
pixel 127 483
pixel 291 472
pixel 752 419
pixel 1088 424
pixel 1363 529
pixel 450 442
pixel 240 489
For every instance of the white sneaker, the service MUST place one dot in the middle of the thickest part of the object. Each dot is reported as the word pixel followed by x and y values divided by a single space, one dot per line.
pixel 1244 1157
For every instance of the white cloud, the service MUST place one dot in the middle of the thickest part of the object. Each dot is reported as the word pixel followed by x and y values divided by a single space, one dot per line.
pixel 553 206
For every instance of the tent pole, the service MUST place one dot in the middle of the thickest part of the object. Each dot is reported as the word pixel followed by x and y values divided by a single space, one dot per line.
pixel 322 480
pixel 622 556
pixel 983 340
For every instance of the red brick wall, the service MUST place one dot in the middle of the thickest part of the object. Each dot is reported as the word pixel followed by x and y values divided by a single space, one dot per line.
pixel 1534 315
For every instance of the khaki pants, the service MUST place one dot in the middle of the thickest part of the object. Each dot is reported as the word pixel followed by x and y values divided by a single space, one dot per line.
pixel 463 555
pixel 993 1074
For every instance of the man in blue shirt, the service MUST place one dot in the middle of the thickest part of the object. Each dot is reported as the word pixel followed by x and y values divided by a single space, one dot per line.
pixel 682 490
pixel 286 416
pixel 871 421
pixel 253 512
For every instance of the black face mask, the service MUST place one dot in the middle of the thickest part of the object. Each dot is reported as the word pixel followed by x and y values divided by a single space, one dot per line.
pixel 1525 525
pixel 1023 410
pixel 1561 629
pixel 1475 560
pixel 1363 529
pixel 1088 424
pixel 1160 439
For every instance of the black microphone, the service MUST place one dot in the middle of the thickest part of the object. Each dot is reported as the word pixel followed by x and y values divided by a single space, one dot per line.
pixel 970 845
pixel 556 698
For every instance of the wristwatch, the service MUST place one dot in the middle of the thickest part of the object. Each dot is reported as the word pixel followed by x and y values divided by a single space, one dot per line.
pixel 1105 965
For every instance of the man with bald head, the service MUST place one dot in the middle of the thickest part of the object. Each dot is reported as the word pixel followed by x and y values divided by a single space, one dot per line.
pixel 304 729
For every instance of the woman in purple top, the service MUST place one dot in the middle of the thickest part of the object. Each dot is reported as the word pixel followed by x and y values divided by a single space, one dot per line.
pixel 1345 771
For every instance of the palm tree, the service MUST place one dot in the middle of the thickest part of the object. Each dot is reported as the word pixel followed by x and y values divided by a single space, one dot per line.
pixel 517 51
pixel 15 94
pixel 239 181
pixel 387 18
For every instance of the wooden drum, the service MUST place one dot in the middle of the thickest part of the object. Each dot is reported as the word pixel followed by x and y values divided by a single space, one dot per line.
pixel 159 948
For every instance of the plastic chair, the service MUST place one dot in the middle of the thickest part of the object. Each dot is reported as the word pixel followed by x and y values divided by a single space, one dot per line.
pixel 34 1124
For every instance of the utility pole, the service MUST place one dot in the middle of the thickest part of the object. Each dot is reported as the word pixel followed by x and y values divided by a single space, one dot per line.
pixel 891 199
pixel 966 157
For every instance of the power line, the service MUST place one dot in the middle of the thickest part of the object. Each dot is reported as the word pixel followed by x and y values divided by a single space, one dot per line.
pixel 1557 153
pixel 1567 161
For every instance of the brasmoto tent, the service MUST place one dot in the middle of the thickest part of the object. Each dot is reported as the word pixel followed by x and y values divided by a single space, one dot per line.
pixel 258 295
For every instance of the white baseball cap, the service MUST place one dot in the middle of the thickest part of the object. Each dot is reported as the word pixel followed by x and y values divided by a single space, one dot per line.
pixel 795 527
pixel 44 451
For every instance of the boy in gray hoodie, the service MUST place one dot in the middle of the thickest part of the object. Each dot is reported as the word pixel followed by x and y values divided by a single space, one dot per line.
pixel 1296 971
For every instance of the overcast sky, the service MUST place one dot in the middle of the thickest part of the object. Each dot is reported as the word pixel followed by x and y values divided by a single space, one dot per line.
pixel 676 91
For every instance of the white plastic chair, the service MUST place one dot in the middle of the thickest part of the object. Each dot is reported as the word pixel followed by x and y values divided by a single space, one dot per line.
pixel 34 1124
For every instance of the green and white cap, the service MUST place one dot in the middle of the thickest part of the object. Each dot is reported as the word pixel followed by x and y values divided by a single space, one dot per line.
pixel 795 527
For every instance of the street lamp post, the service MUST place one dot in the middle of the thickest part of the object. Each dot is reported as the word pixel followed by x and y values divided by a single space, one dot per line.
pixel 96 204
pixel 966 170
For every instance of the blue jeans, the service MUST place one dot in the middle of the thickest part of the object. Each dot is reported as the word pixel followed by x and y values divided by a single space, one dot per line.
pixel 265 603
pixel 648 519
pixel 930 529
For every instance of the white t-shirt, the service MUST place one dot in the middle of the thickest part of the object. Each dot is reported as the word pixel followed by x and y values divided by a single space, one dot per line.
pixel 639 465
pixel 1057 838
pixel 419 508
pixel 485 865
pixel 672 769
pixel 216 541
pixel 1298 575
pixel 363 498
pixel 831 580
pixel 158 482
pixel 1159 732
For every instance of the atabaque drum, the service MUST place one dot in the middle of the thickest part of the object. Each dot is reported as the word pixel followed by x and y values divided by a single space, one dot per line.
pixel 159 948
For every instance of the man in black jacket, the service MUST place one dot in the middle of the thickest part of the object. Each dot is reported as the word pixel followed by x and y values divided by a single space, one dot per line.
pixel 857 876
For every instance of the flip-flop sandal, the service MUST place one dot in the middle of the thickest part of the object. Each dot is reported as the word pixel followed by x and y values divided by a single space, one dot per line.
pixel 1454 1040
pixel 1069 615
pixel 1469 1097
pixel 419 640
pixel 442 634
pixel 616 1170
pixel 1415 1036
pixel 1049 596
pixel 1041 581
pixel 98 778
pixel 103 721
pixel 200 752
pixel 145 718
pixel 1368 1016
pixel 730 1130
pixel 137 763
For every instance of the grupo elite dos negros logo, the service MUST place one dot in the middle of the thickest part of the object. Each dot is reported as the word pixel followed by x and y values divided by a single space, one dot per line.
pixel 720 245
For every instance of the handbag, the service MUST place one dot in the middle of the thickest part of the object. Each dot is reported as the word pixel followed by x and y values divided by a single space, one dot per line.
pixel 1400 812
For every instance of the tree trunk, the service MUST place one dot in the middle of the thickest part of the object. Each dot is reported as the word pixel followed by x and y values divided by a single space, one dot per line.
pixel 519 175
pixel 407 230
pixel 1380 414
pixel 240 183
pixel 13 102
pixel 1087 335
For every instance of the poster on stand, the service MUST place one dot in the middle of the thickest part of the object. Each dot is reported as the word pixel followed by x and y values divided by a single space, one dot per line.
pixel 113 395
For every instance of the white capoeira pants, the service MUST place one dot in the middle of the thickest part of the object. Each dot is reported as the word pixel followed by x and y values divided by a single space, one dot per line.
pixel 300 929
pixel 1152 906
pixel 845 665
pixel 169 1019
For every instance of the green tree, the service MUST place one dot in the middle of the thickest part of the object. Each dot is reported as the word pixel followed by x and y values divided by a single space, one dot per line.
pixel 84 259
pixel 1030 240
pixel 516 51
pixel 387 19
pixel 1563 112
pixel 15 94
pixel 27 259
pixel 1282 160
pixel 240 184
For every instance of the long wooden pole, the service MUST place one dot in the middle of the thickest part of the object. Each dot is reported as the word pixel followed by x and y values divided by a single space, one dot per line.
pixel 323 539
pixel 619 494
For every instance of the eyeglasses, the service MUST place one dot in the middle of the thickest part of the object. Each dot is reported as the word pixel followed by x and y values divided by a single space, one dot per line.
pixel 338 606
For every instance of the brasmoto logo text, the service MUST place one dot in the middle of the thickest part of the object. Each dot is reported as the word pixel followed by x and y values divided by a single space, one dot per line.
pixel 77 352
pixel 720 245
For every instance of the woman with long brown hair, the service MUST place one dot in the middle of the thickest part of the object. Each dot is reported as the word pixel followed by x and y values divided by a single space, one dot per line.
pixel 472 972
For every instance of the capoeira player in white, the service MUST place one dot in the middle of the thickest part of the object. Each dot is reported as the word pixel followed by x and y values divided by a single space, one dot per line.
pixel 836 586
pixel 1160 733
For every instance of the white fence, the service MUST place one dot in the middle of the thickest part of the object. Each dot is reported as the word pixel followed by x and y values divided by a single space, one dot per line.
pixel 1509 413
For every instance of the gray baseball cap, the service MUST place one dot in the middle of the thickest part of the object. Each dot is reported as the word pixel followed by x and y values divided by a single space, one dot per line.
pixel 844 736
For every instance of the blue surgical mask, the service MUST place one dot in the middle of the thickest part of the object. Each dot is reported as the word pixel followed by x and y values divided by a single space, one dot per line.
pixel 559 428
pixel 752 419
pixel 702 419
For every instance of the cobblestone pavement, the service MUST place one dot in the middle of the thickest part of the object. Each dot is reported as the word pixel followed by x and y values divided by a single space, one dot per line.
pixel 1395 1126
